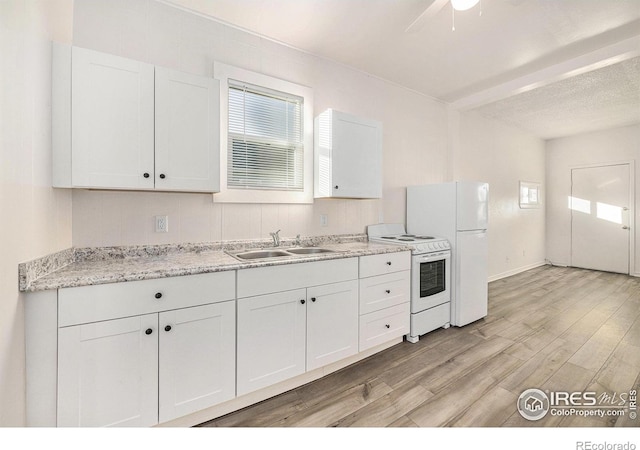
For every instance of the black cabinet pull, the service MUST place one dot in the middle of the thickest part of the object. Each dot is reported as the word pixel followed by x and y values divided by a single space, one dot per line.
pixel 313 299
pixel 302 301
pixel 336 186
pixel 167 328
pixel 388 326
pixel 388 263
pixel 388 291
pixel 163 176
pixel 146 175
pixel 158 294
pixel 148 331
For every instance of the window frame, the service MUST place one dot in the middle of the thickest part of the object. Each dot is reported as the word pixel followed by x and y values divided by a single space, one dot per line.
pixel 224 73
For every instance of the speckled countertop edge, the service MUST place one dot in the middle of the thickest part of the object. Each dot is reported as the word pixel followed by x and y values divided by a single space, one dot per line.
pixel 101 265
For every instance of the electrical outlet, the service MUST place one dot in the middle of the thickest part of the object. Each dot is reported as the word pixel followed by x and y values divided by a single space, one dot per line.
pixel 324 220
pixel 162 224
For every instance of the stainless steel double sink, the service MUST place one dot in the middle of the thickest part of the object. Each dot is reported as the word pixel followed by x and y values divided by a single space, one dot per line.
pixel 279 253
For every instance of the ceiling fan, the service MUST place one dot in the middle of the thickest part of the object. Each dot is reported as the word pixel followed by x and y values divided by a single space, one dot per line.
pixel 435 7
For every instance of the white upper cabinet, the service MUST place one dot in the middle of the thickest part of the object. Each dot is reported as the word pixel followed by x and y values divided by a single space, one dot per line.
pixel 124 124
pixel 187 131
pixel 112 121
pixel 348 156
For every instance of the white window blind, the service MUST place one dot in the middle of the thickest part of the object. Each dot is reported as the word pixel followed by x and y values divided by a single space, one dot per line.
pixel 265 139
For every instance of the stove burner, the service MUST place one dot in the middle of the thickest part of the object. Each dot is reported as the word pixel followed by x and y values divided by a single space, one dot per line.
pixel 425 237
pixel 408 235
pixel 406 239
pixel 387 237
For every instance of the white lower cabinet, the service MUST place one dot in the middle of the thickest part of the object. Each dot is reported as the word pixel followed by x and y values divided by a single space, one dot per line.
pixel 284 334
pixel 271 339
pixel 108 373
pixel 311 321
pixel 197 358
pixel 142 370
pixel 332 323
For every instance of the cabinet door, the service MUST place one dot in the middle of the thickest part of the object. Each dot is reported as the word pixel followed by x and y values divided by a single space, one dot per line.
pixel 357 157
pixel 112 121
pixel 271 339
pixel 332 323
pixel 197 358
pixel 108 373
pixel 187 132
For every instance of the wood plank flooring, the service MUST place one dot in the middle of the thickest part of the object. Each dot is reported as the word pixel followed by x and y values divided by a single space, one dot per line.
pixel 551 328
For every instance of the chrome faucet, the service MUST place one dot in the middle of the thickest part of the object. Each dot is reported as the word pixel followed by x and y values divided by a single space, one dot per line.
pixel 298 242
pixel 276 238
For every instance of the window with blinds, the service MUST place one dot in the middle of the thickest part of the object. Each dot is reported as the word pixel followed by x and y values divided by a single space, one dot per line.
pixel 265 139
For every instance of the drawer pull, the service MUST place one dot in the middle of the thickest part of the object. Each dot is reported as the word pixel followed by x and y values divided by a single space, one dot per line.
pixel 313 299
pixel 302 301
pixel 148 331
pixel 146 174
pixel 388 326
pixel 388 291
pixel 167 328
pixel 388 263
pixel 158 294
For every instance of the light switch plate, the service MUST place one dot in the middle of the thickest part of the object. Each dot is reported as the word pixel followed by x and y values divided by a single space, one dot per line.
pixel 324 220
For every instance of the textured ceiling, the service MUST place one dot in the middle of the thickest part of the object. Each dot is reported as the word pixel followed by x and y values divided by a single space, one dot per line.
pixel 596 100
pixel 513 40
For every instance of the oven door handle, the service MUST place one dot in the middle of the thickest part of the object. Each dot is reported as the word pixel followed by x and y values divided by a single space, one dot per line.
pixel 434 257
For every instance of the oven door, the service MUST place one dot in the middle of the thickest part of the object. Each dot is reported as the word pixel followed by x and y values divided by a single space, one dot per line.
pixel 430 275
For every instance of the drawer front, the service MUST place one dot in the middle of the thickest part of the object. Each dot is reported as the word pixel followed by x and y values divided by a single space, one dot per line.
pixel 384 291
pixel 381 326
pixel 86 304
pixel 386 263
pixel 266 280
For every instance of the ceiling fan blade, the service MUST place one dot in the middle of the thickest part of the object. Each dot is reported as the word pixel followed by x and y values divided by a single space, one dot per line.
pixel 433 9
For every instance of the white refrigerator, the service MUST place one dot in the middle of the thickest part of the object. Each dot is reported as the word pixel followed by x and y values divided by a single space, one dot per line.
pixel 457 211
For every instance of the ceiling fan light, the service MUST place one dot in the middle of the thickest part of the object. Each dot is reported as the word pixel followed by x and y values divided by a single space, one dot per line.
pixel 463 5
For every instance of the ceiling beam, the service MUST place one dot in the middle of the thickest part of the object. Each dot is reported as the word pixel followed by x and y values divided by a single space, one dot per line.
pixel 597 59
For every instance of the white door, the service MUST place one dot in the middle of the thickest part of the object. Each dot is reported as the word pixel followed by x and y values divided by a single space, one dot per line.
pixel 599 206
pixel 471 279
pixel 187 131
pixel 112 115
pixel 357 157
pixel 108 373
pixel 271 339
pixel 332 323
pixel 197 358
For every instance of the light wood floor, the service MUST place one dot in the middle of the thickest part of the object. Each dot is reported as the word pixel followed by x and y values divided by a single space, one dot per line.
pixel 550 328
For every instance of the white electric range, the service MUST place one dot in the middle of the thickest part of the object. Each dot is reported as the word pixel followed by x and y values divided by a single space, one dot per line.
pixel 430 276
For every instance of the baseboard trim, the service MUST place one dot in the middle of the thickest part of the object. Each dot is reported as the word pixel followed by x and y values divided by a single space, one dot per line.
pixel 516 271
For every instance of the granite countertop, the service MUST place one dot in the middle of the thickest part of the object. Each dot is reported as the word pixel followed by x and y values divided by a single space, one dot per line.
pixel 91 266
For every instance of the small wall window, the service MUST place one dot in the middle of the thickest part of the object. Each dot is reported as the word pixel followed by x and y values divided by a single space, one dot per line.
pixel 267 131
pixel 530 195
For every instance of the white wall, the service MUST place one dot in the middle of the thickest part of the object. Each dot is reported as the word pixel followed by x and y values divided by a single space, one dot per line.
pixel 414 129
pixel 487 150
pixel 614 145
pixel 36 219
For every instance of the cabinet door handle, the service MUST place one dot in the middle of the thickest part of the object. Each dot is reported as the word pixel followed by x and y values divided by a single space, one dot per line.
pixel 302 301
pixel 387 325
pixel 146 175
pixel 388 263
pixel 388 291
pixel 163 176
pixel 167 328
pixel 313 299
pixel 336 186
pixel 148 331
pixel 158 294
